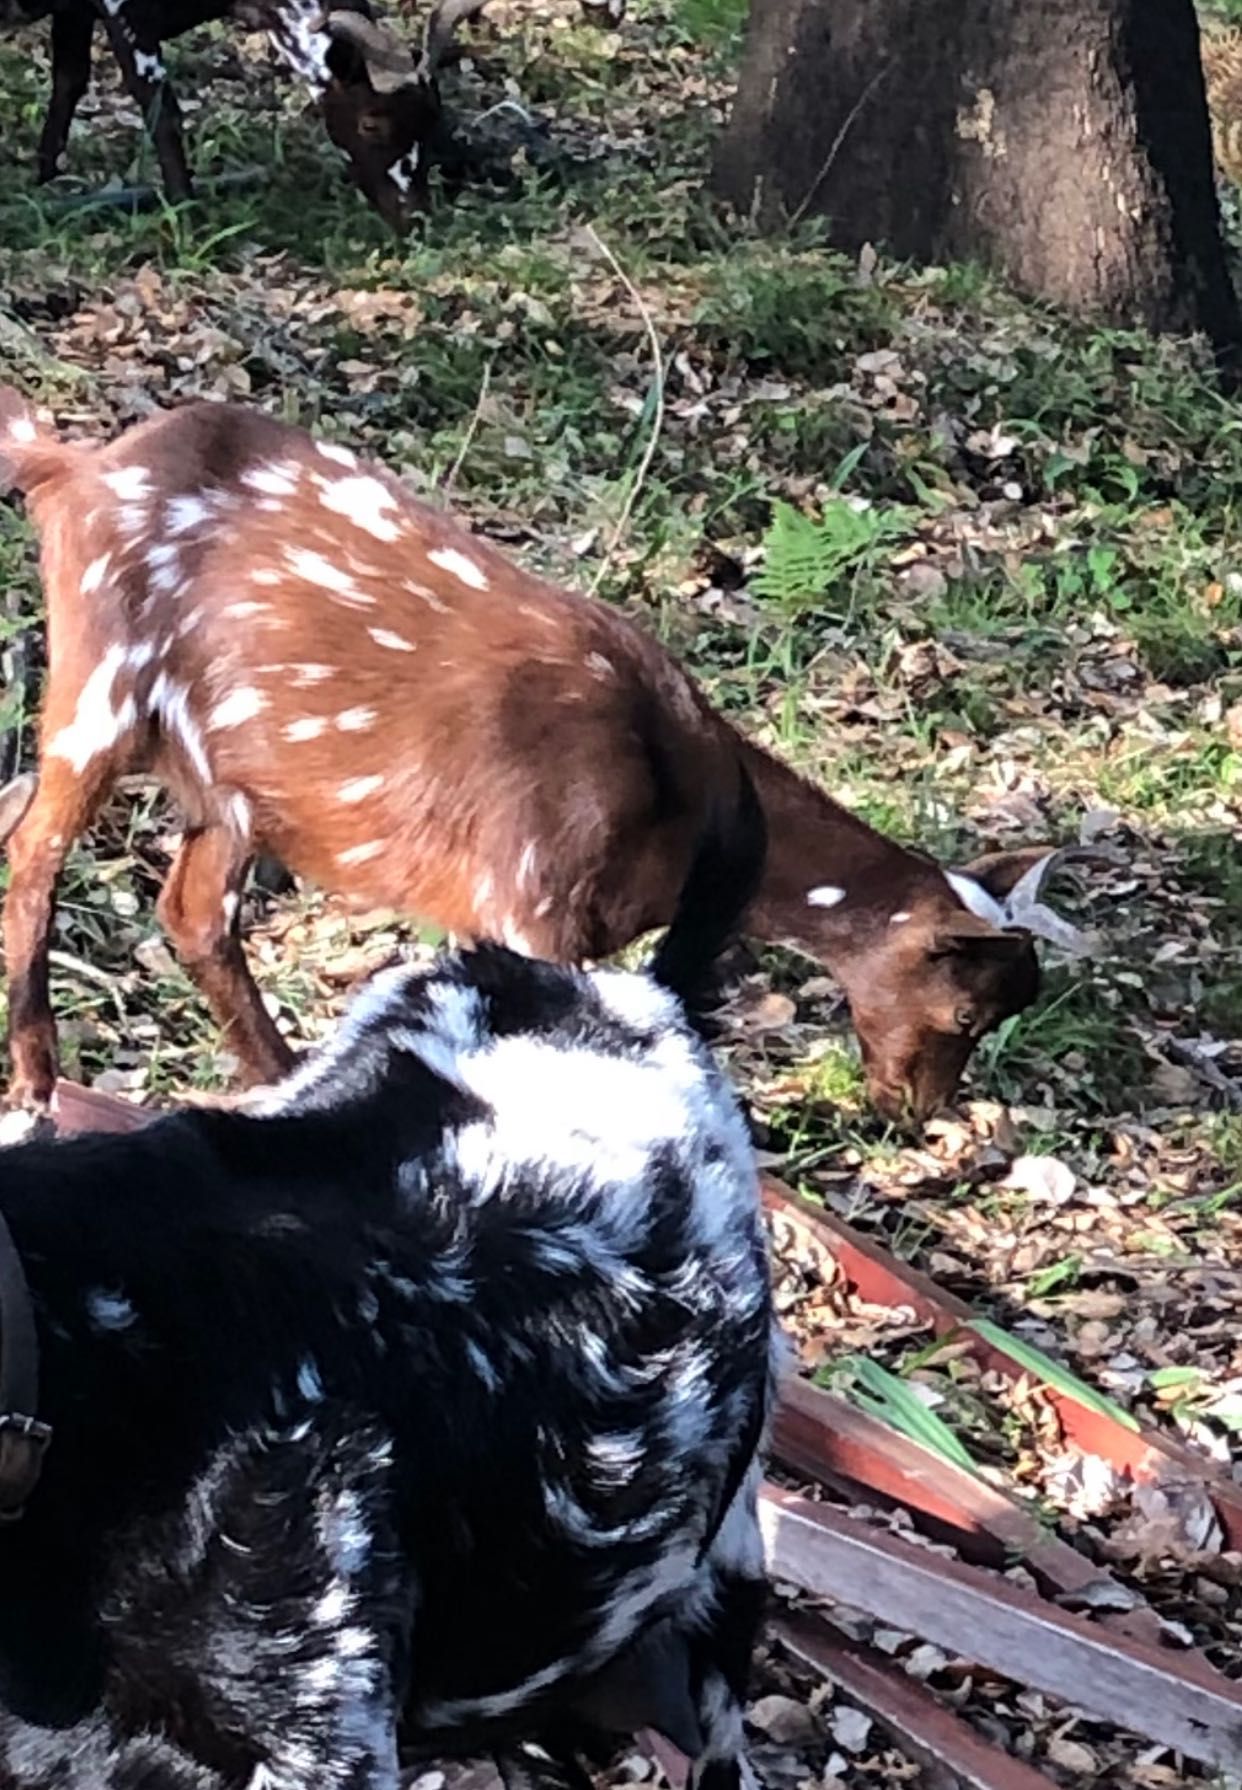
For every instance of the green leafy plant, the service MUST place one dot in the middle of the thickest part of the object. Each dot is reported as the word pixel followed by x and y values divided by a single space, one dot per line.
pixel 806 556
pixel 1050 1372
pixel 884 1396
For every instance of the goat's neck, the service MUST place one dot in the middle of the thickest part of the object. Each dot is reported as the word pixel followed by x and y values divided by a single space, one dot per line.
pixel 815 849
pixel 295 31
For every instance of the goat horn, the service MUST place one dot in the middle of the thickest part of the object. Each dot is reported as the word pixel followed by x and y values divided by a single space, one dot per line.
pixel 446 18
pixel 15 799
pixel 1024 908
pixel 390 63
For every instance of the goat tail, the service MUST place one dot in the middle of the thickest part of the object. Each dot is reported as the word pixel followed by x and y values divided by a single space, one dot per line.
pixel 29 453
pixel 723 880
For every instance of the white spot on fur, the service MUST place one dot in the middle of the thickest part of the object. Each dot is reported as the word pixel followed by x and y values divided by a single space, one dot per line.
pixel 898 919
pixel 355 720
pixel 130 483
pixel 424 595
pixel 307 727
pixel 974 897
pixel 186 513
pixel 244 611
pixel 272 481
pixel 96 723
pixel 149 66
pixel 599 665
pixel 459 566
pixel 342 455
pixel 238 706
pixel 318 570
pixel 365 501
pixel 306 674
pixel 361 854
pixel 22 429
pixel 110 1311
pixel 826 895
pixel 239 813
pixel 229 907
pixel 265 575
pixel 359 788
pixel 170 703
pixel 385 637
pixel 95 574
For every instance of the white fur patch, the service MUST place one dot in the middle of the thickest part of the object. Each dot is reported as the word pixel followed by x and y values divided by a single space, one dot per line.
pixel 361 854
pixel 342 455
pixel 976 898
pixel 307 727
pixel 131 483
pixel 365 502
pixel 459 566
pixel 355 720
pixel 22 429
pixel 826 895
pixel 318 570
pixel 95 574
pixel 394 642
pixel 239 705
pixel 97 723
pixel 359 788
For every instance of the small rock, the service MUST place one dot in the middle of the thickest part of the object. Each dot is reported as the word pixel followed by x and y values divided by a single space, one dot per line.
pixel 783 1720
pixel 1045 1178
pixel 1071 1755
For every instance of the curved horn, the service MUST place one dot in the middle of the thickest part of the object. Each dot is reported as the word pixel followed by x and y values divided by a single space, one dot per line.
pixel 390 63
pixel 1024 908
pixel 446 18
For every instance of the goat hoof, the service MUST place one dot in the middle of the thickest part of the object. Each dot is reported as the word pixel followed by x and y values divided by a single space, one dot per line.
pixel 24 1124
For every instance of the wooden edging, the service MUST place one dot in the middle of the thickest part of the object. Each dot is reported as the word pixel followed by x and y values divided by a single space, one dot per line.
pixel 1144 1453
pixel 1157 1692
pixel 935 1737
pixel 824 1438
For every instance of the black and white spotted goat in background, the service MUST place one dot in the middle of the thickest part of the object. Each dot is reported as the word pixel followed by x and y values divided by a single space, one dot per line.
pixel 380 101
pixel 415 1410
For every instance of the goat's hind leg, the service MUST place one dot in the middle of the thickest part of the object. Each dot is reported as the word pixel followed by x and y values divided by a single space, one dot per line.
pixel 70 789
pixel 198 909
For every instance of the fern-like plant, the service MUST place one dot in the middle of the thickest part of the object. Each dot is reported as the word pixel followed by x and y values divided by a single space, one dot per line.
pixel 806 557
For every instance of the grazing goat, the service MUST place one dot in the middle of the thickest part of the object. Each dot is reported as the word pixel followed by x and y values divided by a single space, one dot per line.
pixel 323 669
pixel 418 1409
pixel 380 103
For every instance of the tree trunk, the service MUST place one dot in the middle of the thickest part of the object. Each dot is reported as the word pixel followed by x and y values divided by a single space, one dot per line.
pixel 1064 143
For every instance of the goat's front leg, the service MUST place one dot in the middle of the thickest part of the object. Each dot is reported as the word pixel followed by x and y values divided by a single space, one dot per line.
pixel 198 909
pixel 72 31
pixel 137 50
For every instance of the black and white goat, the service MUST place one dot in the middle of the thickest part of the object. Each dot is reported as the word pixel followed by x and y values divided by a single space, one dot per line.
pixel 380 101
pixel 416 1410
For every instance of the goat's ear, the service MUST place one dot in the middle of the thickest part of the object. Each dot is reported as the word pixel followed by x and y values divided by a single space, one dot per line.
pixel 999 872
pixel 967 935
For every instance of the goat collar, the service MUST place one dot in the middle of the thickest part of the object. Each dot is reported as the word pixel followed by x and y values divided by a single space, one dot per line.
pixel 23 1439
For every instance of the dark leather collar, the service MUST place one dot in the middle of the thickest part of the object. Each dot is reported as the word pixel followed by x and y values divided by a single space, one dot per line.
pixel 23 1439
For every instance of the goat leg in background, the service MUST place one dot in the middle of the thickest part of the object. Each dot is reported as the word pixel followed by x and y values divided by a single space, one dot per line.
pixel 72 30
pixel 147 83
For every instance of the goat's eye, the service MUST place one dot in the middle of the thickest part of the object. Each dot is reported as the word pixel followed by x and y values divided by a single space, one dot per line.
pixel 964 1019
pixel 373 126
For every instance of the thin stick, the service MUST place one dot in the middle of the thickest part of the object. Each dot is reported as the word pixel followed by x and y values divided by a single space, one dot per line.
pixel 657 422
pixel 456 467
pixel 840 137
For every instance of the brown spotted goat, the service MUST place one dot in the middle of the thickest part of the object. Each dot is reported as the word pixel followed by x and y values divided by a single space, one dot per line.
pixel 323 669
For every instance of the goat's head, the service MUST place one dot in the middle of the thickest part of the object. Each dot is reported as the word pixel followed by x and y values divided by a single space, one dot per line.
pixel 381 104
pixel 952 960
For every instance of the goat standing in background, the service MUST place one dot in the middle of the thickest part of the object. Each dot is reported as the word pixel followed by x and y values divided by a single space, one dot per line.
pixel 421 1411
pixel 380 104
pixel 323 669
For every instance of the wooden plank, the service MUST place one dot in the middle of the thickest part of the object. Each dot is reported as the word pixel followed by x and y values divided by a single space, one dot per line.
pixel 820 1435
pixel 1169 1697
pixel 937 1738
pixel 1144 1453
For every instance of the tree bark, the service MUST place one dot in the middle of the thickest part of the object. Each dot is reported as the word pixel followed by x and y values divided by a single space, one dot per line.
pixel 1064 144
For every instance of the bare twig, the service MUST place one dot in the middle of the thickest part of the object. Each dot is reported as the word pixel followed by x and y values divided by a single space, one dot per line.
pixel 471 431
pixel 846 126
pixel 657 421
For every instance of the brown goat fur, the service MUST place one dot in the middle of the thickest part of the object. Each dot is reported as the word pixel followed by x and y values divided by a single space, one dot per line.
pixel 322 668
